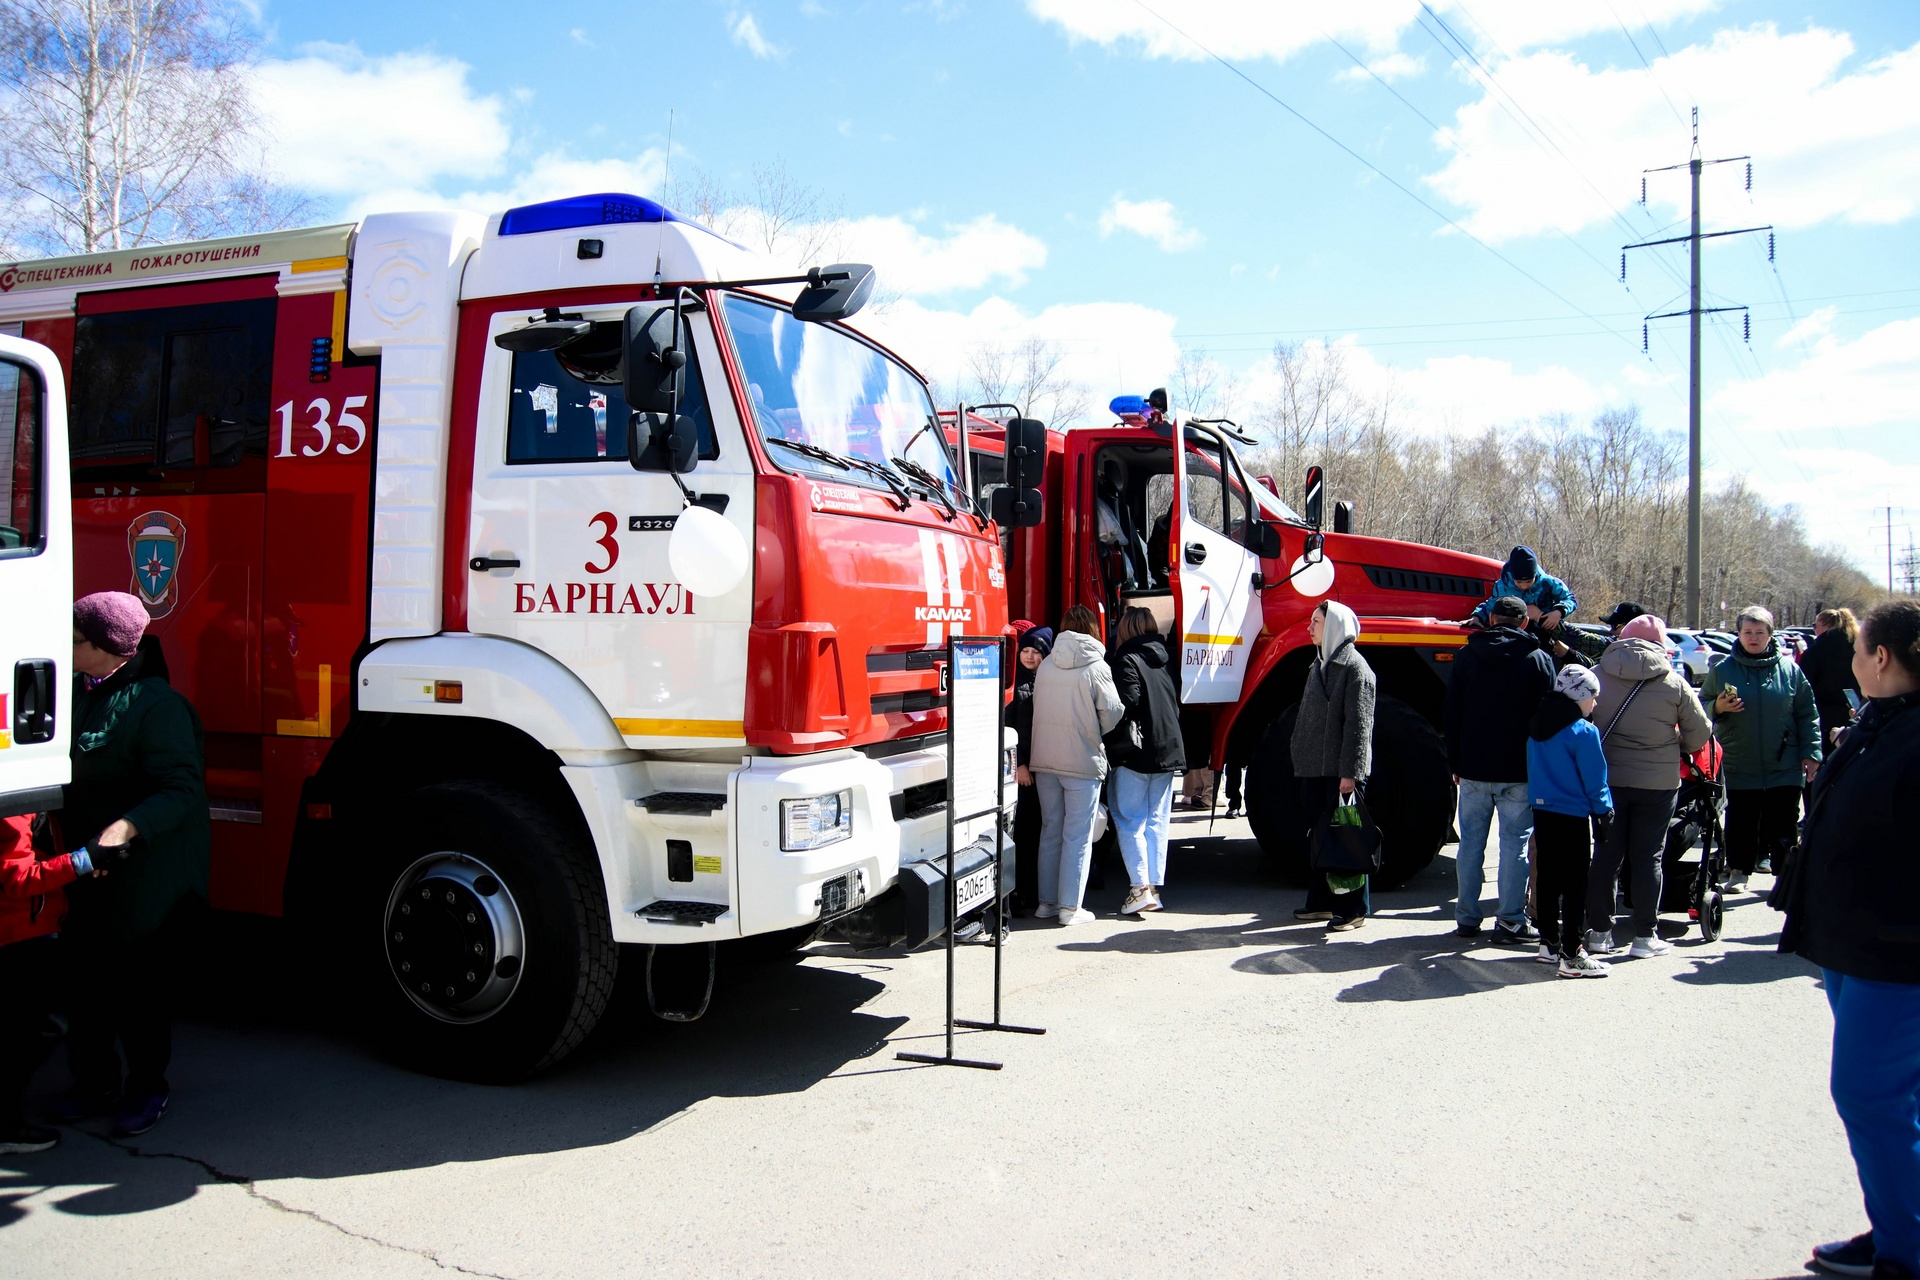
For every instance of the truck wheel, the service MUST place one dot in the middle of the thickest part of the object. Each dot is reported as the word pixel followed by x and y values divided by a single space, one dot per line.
pixel 1411 794
pixel 493 954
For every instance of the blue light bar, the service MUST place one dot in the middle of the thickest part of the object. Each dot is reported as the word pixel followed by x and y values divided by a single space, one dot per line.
pixel 583 211
pixel 1128 406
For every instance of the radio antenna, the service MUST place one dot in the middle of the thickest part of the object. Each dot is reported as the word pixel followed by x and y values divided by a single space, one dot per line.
pixel 666 190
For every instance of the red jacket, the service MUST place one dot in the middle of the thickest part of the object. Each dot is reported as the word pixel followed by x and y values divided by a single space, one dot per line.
pixel 32 903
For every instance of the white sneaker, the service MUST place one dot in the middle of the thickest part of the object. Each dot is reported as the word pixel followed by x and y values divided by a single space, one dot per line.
pixel 1077 915
pixel 1600 942
pixel 1547 955
pixel 1582 966
pixel 1648 948
pixel 1138 899
pixel 1046 911
pixel 1153 903
pixel 1737 882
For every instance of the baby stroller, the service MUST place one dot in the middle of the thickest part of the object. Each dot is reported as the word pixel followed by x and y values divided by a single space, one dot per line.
pixel 1697 888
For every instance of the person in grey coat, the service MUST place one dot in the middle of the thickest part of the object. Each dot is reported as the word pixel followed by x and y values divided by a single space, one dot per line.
pixel 1332 748
pixel 1074 706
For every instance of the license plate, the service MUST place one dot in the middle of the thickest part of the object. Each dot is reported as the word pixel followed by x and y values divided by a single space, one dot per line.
pixel 975 888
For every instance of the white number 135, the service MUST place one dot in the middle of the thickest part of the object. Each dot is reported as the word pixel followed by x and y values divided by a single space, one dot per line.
pixel 322 410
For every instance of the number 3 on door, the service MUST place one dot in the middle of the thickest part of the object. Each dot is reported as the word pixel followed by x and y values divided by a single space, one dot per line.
pixel 322 411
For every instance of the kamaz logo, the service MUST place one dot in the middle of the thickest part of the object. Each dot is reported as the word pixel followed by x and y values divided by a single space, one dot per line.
pixel 940 613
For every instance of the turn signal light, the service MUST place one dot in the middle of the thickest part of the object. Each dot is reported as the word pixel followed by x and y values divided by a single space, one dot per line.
pixel 447 691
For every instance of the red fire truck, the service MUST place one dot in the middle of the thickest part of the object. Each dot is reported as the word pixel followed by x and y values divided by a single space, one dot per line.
pixel 1130 518
pixel 545 582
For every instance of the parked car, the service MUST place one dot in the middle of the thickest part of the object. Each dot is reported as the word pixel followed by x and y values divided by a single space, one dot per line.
pixel 1695 653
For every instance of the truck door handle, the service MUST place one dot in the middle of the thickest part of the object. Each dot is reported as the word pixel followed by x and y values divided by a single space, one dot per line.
pixel 1196 553
pixel 34 688
pixel 481 564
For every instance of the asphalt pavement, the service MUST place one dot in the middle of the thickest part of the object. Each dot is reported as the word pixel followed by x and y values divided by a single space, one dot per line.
pixel 1221 1091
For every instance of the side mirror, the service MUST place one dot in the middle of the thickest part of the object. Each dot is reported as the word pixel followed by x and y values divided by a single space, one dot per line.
pixel 1343 517
pixel 548 334
pixel 1026 452
pixel 1263 540
pixel 1016 508
pixel 1316 549
pixel 1316 497
pixel 652 358
pixel 675 434
pixel 834 293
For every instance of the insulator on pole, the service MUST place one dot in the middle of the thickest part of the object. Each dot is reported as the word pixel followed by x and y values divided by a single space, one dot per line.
pixel 1643 189
pixel 1643 339
pixel 1769 246
pixel 1746 328
pixel 1749 175
pixel 1623 266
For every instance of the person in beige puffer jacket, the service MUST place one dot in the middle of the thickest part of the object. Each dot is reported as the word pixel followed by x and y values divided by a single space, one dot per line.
pixel 1075 705
pixel 1643 743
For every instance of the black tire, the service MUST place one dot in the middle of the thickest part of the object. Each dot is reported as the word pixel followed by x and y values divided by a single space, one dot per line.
pixel 477 868
pixel 1411 794
pixel 1713 915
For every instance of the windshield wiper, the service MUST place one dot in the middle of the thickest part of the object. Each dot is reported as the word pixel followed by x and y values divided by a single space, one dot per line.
pixel 934 487
pixel 812 450
pixel 902 494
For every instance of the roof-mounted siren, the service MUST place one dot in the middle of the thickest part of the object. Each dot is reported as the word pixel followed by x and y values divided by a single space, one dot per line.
pixel 605 208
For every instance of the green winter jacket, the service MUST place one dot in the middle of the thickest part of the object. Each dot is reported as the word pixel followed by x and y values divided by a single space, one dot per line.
pixel 138 755
pixel 1777 729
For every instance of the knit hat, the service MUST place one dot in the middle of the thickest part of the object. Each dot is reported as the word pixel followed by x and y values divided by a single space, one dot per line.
pixel 1645 627
pixel 1577 682
pixel 1624 612
pixel 111 621
pixel 1522 563
pixel 1040 638
pixel 1509 607
pixel 1020 627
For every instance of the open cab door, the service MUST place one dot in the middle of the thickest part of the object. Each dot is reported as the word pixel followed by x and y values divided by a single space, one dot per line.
pixel 36 580
pixel 1215 599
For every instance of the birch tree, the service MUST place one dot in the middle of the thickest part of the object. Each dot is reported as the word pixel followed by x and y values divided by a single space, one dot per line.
pixel 129 122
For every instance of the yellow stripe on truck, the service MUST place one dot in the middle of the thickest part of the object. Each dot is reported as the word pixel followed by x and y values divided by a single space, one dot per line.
pixel 1196 638
pixel 681 728
pixel 1403 638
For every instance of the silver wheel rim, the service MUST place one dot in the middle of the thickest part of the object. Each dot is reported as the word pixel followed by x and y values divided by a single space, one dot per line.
pixel 455 942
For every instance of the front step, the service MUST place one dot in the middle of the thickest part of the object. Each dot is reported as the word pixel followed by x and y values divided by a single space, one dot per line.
pixel 696 804
pixel 674 911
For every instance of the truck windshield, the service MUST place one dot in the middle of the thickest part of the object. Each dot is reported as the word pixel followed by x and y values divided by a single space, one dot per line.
pixel 828 394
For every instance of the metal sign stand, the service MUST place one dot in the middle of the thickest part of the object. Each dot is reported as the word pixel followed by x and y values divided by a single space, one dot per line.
pixel 955 793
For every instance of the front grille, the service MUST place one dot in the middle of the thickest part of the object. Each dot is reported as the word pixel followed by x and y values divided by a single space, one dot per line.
pixel 920 802
pixel 911 700
pixel 908 660
pixel 1433 584
pixel 695 803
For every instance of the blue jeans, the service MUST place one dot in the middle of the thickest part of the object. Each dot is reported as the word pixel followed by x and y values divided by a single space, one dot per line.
pixel 1141 805
pixel 1478 800
pixel 1876 1090
pixel 1066 836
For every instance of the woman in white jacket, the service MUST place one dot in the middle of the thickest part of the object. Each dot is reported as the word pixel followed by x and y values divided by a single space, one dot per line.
pixel 1074 706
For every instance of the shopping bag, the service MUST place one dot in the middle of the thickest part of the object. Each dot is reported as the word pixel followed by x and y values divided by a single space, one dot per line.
pixel 1347 840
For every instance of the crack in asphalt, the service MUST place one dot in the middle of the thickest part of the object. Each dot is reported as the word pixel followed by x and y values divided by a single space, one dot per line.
pixel 246 1184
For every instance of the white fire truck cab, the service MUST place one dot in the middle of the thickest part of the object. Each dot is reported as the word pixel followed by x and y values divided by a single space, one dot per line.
pixel 547 581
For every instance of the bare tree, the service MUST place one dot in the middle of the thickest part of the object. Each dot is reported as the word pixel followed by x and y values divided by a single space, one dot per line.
pixel 1202 388
pixel 777 214
pixel 128 122
pixel 1027 374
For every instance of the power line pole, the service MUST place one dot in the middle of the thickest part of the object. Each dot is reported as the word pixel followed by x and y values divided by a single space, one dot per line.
pixel 1693 313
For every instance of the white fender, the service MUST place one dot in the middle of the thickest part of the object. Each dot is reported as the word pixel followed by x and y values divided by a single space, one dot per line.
pixel 499 679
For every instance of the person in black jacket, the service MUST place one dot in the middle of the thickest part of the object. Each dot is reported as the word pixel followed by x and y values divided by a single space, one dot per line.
pixel 1498 680
pixel 1147 753
pixel 1035 643
pixel 1852 898
pixel 1828 667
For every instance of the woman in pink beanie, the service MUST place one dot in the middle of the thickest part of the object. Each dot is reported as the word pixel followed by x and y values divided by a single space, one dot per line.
pixel 1647 715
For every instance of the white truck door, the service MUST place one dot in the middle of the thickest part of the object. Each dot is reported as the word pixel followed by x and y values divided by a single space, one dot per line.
pixel 36 579
pixel 1218 608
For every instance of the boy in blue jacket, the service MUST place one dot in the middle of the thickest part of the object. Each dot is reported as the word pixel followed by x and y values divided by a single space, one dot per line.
pixel 1549 601
pixel 1567 786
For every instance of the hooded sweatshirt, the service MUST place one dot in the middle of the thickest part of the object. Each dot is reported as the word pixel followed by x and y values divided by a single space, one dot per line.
pixel 1778 727
pixel 1333 730
pixel 1074 706
pixel 1566 771
pixel 1663 722
pixel 1498 680
pixel 1143 675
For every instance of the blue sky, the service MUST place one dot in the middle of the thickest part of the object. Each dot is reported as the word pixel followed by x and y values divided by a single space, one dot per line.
pixel 1081 171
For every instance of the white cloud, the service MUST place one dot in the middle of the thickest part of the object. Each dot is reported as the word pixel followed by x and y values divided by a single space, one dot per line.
pixel 547 177
pixel 1153 219
pixel 746 33
pixel 1276 29
pixel 1872 381
pixel 343 123
pixel 909 262
pixel 1833 139
pixel 1395 66
pixel 1811 329
pixel 580 37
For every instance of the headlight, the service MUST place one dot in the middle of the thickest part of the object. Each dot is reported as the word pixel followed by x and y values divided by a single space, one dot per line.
pixel 816 822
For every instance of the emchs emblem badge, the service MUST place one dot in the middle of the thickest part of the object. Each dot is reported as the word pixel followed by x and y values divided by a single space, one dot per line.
pixel 156 541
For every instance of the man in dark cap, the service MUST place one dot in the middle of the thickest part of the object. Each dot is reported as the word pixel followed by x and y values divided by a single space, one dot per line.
pixel 1623 613
pixel 1548 600
pixel 1497 681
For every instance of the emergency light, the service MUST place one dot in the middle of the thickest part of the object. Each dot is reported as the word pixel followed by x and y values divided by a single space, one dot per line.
pixel 583 211
pixel 1128 406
